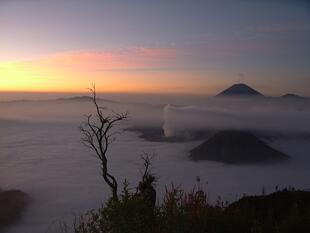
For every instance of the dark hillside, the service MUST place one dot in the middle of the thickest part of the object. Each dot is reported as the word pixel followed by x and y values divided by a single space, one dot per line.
pixel 231 146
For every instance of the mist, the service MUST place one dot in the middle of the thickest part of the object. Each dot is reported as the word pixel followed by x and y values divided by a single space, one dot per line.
pixel 41 152
pixel 257 115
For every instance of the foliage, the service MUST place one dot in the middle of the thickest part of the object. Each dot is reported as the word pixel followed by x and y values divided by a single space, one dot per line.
pixel 182 212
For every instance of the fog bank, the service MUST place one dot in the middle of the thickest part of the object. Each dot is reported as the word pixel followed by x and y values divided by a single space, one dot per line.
pixel 245 115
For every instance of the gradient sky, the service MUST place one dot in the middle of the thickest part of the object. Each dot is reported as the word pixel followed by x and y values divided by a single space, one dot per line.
pixel 155 46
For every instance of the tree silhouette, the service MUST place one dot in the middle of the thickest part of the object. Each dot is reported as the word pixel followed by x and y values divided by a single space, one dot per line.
pixel 98 134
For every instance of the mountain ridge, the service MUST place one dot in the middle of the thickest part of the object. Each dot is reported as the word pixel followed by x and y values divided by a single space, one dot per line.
pixel 239 89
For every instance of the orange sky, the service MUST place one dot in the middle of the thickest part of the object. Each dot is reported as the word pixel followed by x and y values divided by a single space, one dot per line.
pixel 160 47
pixel 128 70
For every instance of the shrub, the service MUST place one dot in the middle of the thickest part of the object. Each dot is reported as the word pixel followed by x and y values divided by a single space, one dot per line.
pixel 182 212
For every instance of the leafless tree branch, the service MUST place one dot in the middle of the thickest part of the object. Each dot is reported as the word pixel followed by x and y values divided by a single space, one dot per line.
pixel 97 135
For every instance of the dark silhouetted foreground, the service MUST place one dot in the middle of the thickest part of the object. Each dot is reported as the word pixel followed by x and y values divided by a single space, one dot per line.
pixel 12 204
pixel 180 212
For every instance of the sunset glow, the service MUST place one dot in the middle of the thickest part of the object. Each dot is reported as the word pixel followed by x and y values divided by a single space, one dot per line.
pixel 121 71
pixel 131 49
pixel 106 104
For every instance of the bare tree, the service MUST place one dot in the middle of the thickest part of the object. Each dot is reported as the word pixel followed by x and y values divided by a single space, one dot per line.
pixel 98 135
pixel 147 163
pixel 145 187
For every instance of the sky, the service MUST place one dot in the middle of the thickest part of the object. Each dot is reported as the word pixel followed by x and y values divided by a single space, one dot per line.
pixel 163 46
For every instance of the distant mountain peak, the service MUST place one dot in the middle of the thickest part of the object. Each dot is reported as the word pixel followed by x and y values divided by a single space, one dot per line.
pixel 83 98
pixel 76 98
pixel 239 89
pixel 292 96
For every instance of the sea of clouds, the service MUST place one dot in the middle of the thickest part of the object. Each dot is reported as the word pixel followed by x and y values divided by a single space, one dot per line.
pixel 41 153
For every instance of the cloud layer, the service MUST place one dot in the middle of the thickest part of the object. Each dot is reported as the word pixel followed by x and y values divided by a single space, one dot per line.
pixel 228 114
